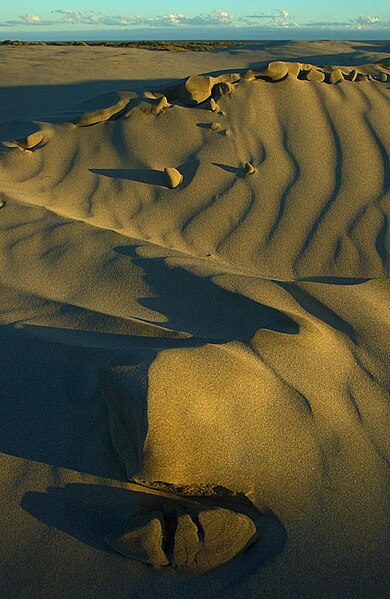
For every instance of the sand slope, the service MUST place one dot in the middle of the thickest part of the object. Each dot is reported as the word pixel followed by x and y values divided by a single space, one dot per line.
pixel 233 331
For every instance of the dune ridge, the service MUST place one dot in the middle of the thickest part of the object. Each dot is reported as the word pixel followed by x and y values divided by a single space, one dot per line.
pixel 217 253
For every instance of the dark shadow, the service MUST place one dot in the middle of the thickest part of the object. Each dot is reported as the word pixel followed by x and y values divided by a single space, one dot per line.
pixel 204 125
pixel 198 306
pixel 318 309
pixel 333 280
pixel 51 400
pixel 240 172
pixel 17 130
pixel 51 393
pixel 379 46
pixel 150 176
pixel 46 417
pixel 49 102
pixel 141 175
pixel 90 512
pixel 188 170
pixel 382 237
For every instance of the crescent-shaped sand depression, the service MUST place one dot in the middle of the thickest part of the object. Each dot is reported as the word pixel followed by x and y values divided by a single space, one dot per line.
pixel 195 292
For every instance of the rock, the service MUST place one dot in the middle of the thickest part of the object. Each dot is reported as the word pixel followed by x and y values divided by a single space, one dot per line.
pixel 228 78
pixel 2 203
pixel 293 69
pixel 382 77
pixel 198 88
pixel 276 70
pixel 186 544
pixel 223 89
pixel 226 534
pixel 336 76
pixel 174 177
pixel 353 75
pixel 101 115
pixel 315 75
pixel 215 126
pixel 249 168
pixel 161 105
pixel 28 143
pixel 143 543
pixel 213 105
pixel 248 76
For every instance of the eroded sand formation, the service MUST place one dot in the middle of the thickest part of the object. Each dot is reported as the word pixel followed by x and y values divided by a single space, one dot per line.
pixel 270 291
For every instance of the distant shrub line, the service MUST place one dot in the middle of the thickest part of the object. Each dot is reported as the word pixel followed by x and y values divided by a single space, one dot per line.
pixel 145 45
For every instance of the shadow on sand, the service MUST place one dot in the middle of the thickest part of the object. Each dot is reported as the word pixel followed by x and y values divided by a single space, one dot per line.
pixel 91 512
pixel 51 395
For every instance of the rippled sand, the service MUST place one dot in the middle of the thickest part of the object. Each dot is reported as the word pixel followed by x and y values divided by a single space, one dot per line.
pixel 196 361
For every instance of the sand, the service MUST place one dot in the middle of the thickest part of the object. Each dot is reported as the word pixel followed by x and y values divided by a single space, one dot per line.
pixel 194 300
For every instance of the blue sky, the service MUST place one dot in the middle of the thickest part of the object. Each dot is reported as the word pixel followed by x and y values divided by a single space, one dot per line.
pixel 203 19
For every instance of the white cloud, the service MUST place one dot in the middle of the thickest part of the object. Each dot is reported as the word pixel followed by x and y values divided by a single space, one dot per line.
pixel 169 20
pixel 366 20
pixel 29 20
pixel 279 19
pixel 360 22
pixel 32 19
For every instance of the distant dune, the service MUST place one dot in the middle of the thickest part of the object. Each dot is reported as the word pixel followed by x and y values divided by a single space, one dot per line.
pixel 194 286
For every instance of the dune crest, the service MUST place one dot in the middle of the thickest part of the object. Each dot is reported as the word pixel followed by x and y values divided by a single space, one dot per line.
pixel 195 308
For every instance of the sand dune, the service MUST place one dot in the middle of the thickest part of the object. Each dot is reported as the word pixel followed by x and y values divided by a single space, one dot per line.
pixel 196 324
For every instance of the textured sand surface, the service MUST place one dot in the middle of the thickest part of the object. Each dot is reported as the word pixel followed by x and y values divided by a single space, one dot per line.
pixel 194 286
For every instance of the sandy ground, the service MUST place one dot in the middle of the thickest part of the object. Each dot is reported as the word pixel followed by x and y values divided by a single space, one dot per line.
pixel 228 337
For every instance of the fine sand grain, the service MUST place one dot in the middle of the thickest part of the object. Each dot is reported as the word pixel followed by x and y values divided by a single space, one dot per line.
pixel 194 288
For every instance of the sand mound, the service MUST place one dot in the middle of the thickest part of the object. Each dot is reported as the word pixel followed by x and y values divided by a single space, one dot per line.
pixel 232 333
pixel 341 191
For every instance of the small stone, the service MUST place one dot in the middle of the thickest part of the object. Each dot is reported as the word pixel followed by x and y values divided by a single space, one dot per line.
pixel 249 168
pixel 382 77
pixel 213 105
pixel 174 177
pixel 215 126
pixel 161 105
pixel 224 89
pixel 2 203
pixel 248 76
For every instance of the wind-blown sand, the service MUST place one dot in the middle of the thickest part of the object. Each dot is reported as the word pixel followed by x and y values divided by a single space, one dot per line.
pixel 196 322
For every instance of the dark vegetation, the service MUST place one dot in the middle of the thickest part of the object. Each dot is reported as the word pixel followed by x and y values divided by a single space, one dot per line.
pixel 203 46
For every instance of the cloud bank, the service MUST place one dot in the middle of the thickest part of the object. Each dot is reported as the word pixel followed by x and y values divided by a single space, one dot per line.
pixel 279 19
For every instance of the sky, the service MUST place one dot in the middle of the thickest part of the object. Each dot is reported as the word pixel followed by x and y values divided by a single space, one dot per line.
pixel 203 19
